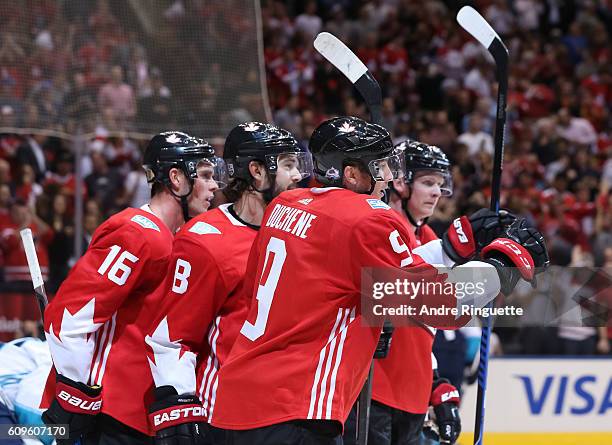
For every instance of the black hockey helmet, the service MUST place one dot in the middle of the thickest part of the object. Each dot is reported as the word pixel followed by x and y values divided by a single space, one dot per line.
pixel 338 141
pixel 176 149
pixel 424 157
pixel 255 141
pixel 172 149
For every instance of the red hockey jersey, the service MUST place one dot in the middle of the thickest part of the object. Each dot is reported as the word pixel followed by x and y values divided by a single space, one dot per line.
pixel 202 312
pixel 302 352
pixel 403 379
pixel 95 325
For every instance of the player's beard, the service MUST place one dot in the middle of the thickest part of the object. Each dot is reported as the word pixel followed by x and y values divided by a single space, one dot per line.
pixel 278 189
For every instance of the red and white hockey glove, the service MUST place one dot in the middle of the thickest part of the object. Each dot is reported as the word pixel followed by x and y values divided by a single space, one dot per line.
pixel 466 237
pixel 520 253
pixel 445 401
pixel 177 419
pixel 75 404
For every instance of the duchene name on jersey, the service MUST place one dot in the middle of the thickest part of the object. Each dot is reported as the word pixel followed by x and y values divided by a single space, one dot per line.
pixel 291 220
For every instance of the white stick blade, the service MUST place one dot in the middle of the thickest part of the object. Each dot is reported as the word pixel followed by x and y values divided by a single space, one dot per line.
pixel 476 25
pixel 339 55
pixel 30 251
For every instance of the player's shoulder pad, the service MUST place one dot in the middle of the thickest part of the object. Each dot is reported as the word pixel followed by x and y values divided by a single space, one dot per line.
pixel 134 229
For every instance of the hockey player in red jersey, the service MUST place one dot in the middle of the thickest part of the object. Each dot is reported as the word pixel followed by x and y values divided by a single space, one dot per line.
pixel 101 385
pixel 303 354
pixel 403 387
pixel 202 312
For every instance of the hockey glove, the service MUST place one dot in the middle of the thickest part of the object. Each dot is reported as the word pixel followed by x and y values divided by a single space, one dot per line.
pixel 445 401
pixel 76 405
pixel 177 419
pixel 466 237
pixel 520 252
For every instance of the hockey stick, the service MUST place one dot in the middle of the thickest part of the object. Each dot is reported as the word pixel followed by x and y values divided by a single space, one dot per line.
pixel 37 280
pixel 477 26
pixel 35 273
pixel 340 56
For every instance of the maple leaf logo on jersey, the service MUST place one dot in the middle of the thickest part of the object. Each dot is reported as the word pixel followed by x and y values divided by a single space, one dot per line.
pixel 168 356
pixel 305 201
pixel 73 348
pixel 173 139
pixel 346 128
pixel 251 126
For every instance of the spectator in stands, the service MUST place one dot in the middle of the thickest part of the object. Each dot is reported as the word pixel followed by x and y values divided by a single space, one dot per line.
pixel 575 129
pixel 104 184
pixel 6 200
pixel 91 221
pixel 32 153
pixel 476 80
pixel 5 172
pixel 121 154
pixel 63 177
pixel 308 24
pixel 80 101
pixel 11 106
pixel 339 26
pixel 16 267
pixel 61 245
pixel 155 103
pixel 117 97
pixel 475 139
pixel 26 187
pixel 137 190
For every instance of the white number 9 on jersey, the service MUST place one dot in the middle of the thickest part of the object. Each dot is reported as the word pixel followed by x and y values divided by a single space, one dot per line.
pixel 118 265
pixel 265 291
pixel 400 247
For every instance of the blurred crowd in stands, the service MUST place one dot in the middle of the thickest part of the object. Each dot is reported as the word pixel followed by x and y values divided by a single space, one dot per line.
pixel 70 64
pixel 438 87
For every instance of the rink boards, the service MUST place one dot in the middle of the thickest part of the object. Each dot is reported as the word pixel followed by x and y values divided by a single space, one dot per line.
pixel 560 401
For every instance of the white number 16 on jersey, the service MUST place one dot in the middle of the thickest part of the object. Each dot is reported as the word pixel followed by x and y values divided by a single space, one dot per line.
pixel 265 291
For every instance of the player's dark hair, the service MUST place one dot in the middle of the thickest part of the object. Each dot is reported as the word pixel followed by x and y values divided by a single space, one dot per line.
pixel 238 186
pixel 156 188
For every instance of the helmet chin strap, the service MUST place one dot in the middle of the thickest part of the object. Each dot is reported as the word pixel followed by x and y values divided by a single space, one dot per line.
pixel 183 200
pixel 413 221
pixel 268 193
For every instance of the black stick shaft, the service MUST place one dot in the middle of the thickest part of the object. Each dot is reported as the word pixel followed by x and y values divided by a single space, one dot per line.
pixel 500 54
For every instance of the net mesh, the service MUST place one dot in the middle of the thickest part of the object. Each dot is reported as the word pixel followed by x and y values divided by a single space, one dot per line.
pixel 130 67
